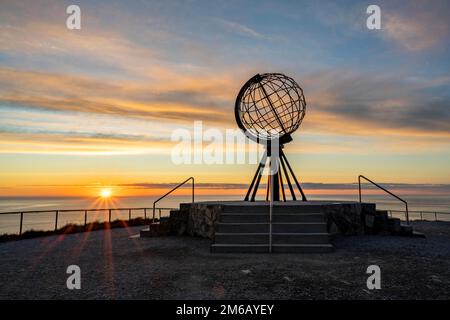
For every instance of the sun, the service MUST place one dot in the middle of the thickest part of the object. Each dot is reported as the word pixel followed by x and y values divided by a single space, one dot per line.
pixel 105 193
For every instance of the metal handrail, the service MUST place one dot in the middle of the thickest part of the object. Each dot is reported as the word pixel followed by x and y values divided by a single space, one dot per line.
pixel 421 213
pixel 76 210
pixel 385 190
pixel 86 211
pixel 169 192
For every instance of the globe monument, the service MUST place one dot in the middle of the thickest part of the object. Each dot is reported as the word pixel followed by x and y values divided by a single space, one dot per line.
pixel 269 108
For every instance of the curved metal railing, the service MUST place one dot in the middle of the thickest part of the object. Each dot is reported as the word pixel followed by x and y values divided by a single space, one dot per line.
pixel 169 192
pixel 385 190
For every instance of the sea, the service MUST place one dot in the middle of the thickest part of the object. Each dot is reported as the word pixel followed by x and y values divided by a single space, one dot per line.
pixel 427 207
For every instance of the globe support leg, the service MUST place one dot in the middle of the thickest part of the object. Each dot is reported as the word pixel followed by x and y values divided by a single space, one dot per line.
pixel 280 174
pixel 283 166
pixel 256 178
pixel 286 174
pixel 293 175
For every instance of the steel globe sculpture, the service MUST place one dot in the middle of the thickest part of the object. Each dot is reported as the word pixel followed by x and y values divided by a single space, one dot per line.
pixel 268 108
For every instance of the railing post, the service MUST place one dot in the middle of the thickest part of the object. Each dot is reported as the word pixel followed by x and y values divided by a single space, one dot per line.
pixel 159 214
pixel 421 217
pixel 129 215
pixel 21 222
pixel 145 214
pixel 109 215
pixel 435 216
pixel 359 187
pixel 407 214
pixel 85 218
pixel 153 218
pixel 56 220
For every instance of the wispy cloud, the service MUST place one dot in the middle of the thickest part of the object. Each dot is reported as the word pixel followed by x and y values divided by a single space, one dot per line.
pixel 418 25
pixel 239 28
pixel 88 111
pixel 132 100
pixel 75 143
pixel 377 104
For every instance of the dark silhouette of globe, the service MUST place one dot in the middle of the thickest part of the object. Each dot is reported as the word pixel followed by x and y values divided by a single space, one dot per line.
pixel 269 106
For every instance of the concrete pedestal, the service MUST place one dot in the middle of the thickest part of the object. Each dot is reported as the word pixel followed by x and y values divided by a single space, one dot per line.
pixel 297 226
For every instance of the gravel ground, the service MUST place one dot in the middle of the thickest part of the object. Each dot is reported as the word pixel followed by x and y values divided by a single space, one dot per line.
pixel 115 266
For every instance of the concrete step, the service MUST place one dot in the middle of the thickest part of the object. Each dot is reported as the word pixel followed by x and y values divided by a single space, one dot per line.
pixel 243 238
pixel 277 248
pixel 239 248
pixel 383 213
pixel 418 234
pixel 300 238
pixel 156 229
pixel 248 209
pixel 288 227
pixel 277 238
pixel 406 229
pixel 260 218
pixel 302 248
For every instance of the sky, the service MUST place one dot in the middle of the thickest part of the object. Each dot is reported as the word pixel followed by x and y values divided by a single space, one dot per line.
pixel 83 109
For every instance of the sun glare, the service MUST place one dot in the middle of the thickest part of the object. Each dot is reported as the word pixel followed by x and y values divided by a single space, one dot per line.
pixel 105 193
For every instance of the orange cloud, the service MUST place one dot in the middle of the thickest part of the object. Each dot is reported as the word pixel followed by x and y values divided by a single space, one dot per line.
pixel 344 109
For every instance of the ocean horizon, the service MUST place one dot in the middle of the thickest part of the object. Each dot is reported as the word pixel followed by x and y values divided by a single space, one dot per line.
pixel 46 221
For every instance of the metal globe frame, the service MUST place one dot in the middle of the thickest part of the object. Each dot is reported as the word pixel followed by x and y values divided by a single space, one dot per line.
pixel 269 107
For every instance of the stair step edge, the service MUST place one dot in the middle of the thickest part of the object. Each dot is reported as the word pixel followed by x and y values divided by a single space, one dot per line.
pixel 275 233
pixel 239 245
pixel 275 213
pixel 328 245
pixel 266 223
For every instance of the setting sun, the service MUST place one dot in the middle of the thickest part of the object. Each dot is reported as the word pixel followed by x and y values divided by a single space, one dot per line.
pixel 105 193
